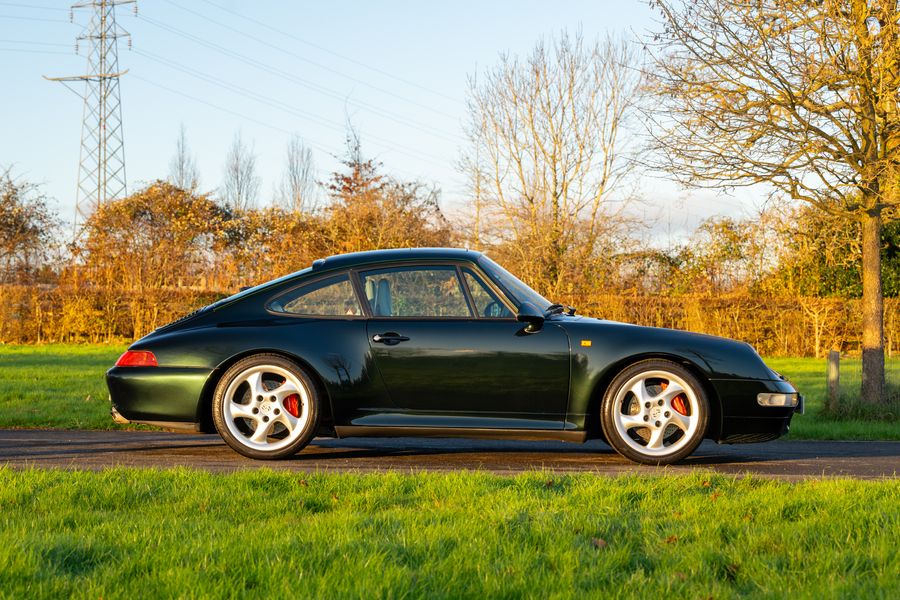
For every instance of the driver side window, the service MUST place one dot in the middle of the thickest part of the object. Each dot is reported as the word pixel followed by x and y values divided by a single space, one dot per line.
pixel 426 291
pixel 486 302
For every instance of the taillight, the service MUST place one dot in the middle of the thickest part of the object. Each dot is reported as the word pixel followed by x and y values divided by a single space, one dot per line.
pixel 137 358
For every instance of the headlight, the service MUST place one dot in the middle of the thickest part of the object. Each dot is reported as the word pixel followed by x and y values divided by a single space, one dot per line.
pixel 777 399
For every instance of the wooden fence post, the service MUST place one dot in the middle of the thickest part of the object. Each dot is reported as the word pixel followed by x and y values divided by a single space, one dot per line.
pixel 834 380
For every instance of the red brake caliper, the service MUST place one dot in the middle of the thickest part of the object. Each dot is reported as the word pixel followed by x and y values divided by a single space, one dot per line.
pixel 292 404
pixel 678 401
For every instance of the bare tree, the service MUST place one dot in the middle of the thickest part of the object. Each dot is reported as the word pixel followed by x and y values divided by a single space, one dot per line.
pixel 183 171
pixel 241 184
pixel 297 191
pixel 796 94
pixel 28 229
pixel 546 150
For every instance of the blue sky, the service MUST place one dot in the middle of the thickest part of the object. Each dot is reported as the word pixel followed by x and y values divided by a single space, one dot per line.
pixel 397 69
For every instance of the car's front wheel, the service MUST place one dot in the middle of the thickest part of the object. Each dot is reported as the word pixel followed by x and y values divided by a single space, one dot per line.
pixel 655 412
pixel 266 407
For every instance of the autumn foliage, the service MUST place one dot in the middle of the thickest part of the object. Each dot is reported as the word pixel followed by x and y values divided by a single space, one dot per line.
pixel 787 281
pixel 148 258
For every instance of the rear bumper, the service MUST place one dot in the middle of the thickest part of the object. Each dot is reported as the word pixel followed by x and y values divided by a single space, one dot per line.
pixel 184 426
pixel 163 396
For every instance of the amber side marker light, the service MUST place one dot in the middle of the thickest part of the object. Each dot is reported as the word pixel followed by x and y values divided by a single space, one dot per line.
pixel 137 358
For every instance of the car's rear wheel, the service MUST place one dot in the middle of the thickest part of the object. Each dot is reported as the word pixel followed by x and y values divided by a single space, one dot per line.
pixel 655 412
pixel 266 407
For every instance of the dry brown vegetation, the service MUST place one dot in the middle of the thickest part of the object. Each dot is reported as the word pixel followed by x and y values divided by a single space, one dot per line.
pixel 147 259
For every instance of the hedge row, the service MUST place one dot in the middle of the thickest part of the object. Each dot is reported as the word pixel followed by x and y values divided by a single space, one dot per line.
pixel 774 326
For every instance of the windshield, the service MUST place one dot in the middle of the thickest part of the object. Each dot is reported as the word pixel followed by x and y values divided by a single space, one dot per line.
pixel 512 285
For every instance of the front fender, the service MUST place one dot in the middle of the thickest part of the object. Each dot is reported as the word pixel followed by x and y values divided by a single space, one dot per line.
pixel 601 349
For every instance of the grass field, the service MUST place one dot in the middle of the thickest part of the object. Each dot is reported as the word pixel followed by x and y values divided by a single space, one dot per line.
pixel 808 375
pixel 62 386
pixel 126 533
pixel 56 386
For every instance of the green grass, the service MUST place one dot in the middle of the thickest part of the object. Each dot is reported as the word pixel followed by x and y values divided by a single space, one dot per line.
pixel 62 386
pixel 808 375
pixel 56 385
pixel 179 533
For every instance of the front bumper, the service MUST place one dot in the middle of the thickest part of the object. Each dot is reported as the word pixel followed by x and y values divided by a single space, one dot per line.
pixel 744 420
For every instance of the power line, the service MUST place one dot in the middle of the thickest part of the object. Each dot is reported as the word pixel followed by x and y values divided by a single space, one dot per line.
pixel 333 53
pixel 234 113
pixel 243 116
pixel 34 6
pixel 309 61
pixel 28 51
pixel 297 80
pixel 29 42
pixel 21 18
pixel 254 95
pixel 282 105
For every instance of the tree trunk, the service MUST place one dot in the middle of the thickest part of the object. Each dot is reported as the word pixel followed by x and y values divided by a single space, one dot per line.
pixel 872 391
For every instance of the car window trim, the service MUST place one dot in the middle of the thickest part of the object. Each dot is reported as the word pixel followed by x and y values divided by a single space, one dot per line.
pixel 466 293
pixel 360 290
pixel 489 285
pixel 429 263
pixel 327 275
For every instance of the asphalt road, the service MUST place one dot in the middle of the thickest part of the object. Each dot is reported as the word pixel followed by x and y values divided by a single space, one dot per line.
pixel 94 450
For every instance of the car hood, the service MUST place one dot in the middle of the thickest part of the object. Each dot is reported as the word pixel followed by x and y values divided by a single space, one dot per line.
pixel 719 357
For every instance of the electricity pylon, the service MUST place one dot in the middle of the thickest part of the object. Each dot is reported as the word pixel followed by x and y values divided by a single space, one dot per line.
pixel 101 171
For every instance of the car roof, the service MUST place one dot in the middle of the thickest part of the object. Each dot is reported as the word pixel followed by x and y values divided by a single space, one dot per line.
pixel 378 256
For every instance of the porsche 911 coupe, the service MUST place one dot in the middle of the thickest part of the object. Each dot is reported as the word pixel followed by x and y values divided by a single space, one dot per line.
pixel 441 343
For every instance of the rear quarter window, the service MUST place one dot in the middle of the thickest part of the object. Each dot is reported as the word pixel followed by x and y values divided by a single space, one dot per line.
pixel 331 297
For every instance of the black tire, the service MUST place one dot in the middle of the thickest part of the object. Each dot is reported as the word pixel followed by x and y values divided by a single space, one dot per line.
pixel 642 436
pixel 233 395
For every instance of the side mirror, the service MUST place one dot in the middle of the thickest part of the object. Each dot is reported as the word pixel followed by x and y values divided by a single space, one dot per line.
pixel 529 313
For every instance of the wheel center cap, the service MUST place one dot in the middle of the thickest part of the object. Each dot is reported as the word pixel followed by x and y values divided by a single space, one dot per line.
pixel 266 407
pixel 655 412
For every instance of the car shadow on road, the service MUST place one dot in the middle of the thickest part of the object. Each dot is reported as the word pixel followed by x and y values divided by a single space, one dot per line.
pixel 46 447
pixel 374 448
pixel 709 453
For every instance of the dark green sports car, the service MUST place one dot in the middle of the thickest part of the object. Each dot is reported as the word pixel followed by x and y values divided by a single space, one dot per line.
pixel 439 342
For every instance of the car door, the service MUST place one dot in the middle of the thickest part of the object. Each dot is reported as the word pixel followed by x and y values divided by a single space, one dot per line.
pixel 447 364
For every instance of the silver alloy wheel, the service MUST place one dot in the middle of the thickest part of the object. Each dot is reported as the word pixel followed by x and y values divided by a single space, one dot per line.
pixel 646 419
pixel 255 412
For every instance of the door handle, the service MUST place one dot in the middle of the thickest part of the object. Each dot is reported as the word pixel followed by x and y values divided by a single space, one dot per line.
pixel 389 339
